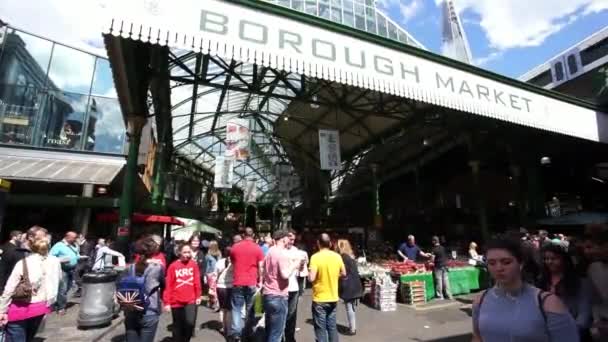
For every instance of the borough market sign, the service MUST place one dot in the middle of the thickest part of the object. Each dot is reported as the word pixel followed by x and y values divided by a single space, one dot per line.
pixel 233 31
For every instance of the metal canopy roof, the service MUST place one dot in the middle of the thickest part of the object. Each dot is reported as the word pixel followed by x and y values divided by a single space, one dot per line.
pixel 210 83
pixel 286 110
pixel 201 108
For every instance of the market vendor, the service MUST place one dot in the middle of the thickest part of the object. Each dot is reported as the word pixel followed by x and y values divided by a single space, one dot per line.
pixel 410 251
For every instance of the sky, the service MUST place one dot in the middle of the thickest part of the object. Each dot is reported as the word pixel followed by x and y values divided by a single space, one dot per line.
pixel 509 37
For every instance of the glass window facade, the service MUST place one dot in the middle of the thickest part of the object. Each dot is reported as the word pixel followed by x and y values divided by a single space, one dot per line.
pixel 54 96
pixel 360 14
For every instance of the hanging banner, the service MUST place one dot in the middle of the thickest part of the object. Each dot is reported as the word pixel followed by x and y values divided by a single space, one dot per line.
pixel 224 172
pixel 251 191
pixel 294 182
pixel 283 174
pixel 214 202
pixel 329 149
pixel 237 139
pixel 253 32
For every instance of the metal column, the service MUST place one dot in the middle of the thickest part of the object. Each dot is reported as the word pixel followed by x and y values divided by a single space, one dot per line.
pixel 135 125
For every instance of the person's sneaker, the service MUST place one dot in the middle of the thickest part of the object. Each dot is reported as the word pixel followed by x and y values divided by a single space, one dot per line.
pixel 61 312
pixel 351 333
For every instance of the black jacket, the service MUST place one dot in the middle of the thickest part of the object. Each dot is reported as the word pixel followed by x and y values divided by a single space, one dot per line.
pixel 11 254
pixel 199 258
pixel 350 286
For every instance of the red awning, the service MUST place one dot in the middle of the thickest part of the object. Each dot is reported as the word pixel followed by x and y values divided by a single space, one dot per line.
pixel 141 218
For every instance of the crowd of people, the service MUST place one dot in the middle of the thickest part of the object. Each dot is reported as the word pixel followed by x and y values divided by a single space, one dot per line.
pixel 545 289
pixel 271 268
pixel 36 277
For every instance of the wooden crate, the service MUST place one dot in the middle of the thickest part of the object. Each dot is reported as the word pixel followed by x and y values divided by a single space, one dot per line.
pixel 413 293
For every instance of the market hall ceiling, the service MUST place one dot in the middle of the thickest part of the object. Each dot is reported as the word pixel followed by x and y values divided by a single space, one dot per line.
pixel 203 74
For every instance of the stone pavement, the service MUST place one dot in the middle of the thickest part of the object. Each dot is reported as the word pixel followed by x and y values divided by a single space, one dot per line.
pixel 440 322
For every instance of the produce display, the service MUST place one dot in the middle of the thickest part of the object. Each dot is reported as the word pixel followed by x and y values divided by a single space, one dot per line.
pixel 370 269
pixel 400 267
pixel 458 263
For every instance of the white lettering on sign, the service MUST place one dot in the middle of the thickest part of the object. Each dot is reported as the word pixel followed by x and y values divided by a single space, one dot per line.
pixel 234 31
pixel 184 272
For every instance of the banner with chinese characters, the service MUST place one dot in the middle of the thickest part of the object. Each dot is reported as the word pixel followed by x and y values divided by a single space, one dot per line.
pixel 237 139
pixel 329 149
pixel 224 172
pixel 251 191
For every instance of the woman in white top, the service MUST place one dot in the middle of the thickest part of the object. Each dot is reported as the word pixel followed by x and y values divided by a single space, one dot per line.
pixel 22 316
pixel 223 269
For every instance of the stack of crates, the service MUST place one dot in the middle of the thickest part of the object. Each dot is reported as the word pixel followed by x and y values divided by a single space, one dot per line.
pixel 414 292
pixel 384 294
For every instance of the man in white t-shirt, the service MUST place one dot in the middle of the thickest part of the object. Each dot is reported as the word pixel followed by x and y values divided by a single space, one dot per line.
pixel 294 254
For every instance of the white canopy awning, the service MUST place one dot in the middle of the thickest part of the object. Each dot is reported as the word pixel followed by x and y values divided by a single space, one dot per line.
pixel 251 33
pixel 60 167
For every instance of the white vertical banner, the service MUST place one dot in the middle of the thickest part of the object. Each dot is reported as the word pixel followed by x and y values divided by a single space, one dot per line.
pixel 237 139
pixel 251 191
pixel 294 182
pixel 329 149
pixel 224 172
pixel 283 173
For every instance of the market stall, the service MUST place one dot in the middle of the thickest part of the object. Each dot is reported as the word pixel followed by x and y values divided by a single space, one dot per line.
pixel 464 278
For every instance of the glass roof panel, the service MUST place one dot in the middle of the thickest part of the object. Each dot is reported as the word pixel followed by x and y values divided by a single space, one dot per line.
pixel 215 106
pixel 357 14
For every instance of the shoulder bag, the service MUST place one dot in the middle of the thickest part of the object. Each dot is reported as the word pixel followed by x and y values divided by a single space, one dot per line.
pixel 23 291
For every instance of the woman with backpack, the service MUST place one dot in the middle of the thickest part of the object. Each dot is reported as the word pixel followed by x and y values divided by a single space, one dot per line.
pixel 144 280
pixel 30 292
pixel 213 255
pixel 559 277
pixel 183 294
pixel 515 311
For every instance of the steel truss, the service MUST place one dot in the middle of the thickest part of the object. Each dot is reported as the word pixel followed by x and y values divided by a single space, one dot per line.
pixel 250 91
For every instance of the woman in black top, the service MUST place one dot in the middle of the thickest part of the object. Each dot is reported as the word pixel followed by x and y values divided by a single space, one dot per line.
pixel 559 277
pixel 351 289
pixel 198 255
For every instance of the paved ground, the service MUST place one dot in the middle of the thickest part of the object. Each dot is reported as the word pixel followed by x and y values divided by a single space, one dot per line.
pixel 440 322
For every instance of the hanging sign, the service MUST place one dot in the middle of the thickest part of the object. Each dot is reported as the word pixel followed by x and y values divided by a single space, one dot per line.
pixel 329 149
pixel 253 34
pixel 224 172
pixel 237 139
pixel 214 202
pixel 283 174
pixel 251 191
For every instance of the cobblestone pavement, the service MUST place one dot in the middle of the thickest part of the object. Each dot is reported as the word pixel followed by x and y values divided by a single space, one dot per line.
pixel 440 322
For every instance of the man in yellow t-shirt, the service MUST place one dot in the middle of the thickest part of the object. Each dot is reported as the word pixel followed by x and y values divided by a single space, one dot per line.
pixel 326 268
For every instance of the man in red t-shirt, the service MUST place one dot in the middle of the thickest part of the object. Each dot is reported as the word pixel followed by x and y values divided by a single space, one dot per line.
pixel 247 263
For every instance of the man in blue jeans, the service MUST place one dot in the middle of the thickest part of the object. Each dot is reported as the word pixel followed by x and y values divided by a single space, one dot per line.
pixel 247 264
pixel 278 268
pixel 68 253
pixel 326 268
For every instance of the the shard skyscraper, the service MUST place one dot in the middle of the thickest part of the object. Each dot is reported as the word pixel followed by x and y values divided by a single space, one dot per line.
pixel 455 43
